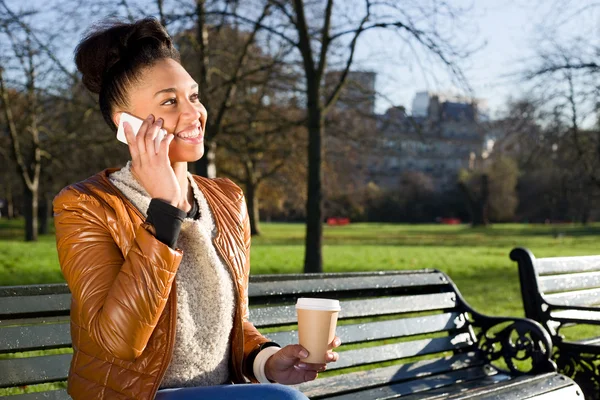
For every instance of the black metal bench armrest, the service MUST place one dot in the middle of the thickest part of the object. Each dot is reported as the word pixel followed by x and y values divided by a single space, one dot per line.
pixel 515 340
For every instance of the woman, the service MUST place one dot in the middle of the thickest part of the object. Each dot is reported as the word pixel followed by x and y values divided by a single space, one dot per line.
pixel 157 260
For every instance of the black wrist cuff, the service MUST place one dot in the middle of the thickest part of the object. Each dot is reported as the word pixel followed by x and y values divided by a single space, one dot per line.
pixel 166 220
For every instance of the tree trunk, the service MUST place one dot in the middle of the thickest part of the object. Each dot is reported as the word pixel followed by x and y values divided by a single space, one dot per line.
pixel 10 207
pixel 31 214
pixel 44 215
pixel 10 202
pixel 253 206
pixel 478 206
pixel 313 255
pixel 206 166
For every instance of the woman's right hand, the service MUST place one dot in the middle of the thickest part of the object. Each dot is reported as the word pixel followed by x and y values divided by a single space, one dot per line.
pixel 153 170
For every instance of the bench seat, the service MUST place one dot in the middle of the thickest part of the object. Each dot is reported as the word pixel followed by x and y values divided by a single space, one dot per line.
pixel 563 293
pixel 404 333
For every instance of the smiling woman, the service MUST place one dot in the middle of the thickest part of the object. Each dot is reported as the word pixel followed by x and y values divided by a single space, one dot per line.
pixel 157 259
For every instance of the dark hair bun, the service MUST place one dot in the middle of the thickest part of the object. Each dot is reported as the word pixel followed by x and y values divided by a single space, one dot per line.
pixel 111 43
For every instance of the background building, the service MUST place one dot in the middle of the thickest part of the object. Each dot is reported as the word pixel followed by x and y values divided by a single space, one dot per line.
pixel 438 139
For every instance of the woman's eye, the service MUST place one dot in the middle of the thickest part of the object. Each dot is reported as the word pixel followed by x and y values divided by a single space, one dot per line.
pixel 194 97
pixel 169 102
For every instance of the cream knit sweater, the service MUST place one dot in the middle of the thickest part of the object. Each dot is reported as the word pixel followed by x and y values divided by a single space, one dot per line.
pixel 205 294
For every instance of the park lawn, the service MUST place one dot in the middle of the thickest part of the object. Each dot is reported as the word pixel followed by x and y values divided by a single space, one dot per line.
pixel 476 259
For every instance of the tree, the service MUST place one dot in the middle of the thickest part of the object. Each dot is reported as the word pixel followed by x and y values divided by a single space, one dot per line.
pixel 218 54
pixel 258 143
pixel 316 41
pixel 566 79
pixel 28 155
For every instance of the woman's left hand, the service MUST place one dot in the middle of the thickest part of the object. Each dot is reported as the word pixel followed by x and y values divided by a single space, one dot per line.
pixel 286 366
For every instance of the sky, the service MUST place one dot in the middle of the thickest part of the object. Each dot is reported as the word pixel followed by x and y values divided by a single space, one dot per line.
pixel 511 31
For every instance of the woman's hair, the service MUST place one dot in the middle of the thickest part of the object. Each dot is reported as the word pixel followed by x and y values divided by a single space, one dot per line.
pixel 113 55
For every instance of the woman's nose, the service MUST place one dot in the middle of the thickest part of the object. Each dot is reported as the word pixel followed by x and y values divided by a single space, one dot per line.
pixel 192 110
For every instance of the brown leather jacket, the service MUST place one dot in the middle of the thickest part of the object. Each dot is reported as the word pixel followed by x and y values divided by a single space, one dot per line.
pixel 122 281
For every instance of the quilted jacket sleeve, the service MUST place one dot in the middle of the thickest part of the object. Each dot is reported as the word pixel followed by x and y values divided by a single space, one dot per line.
pixel 119 298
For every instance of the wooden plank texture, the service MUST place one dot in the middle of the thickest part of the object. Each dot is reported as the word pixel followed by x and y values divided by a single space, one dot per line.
pixel 562 265
pixel 31 306
pixel 34 337
pixel 283 315
pixel 473 375
pixel 389 352
pixel 29 371
pixel 523 387
pixel 357 283
pixel 587 297
pixel 591 317
pixel 383 376
pixel 561 283
pixel 369 331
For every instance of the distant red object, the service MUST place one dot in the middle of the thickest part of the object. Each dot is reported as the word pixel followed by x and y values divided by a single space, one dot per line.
pixel 450 221
pixel 338 221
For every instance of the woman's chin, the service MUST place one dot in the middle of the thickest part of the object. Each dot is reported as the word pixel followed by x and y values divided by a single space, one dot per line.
pixel 187 155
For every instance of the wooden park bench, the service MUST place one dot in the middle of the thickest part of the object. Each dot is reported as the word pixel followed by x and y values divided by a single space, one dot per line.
pixel 562 293
pixel 405 334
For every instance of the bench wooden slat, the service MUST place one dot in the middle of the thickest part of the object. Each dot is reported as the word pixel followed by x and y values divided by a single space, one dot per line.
pixel 565 265
pixel 591 341
pixel 282 315
pixel 587 297
pixel 328 275
pixel 313 286
pixel 33 370
pixel 35 306
pixel 569 392
pixel 34 290
pixel 577 315
pixel 396 351
pixel 496 388
pixel 34 337
pixel 556 283
pixel 384 376
pixel 369 331
pixel 470 376
pixel 51 395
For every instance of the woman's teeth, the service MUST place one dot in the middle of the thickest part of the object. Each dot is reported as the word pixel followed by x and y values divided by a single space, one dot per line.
pixel 188 135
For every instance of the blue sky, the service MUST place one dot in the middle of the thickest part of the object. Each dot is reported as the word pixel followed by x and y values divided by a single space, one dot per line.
pixel 512 31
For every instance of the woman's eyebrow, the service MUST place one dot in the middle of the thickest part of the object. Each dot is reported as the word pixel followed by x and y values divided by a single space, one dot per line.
pixel 172 90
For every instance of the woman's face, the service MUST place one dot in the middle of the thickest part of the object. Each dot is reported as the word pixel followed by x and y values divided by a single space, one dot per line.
pixel 167 91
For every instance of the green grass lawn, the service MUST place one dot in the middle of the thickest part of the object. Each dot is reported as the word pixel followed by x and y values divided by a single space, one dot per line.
pixel 476 259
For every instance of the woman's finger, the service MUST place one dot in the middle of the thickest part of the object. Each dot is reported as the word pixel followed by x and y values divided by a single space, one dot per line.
pixel 141 136
pixel 151 134
pixel 311 366
pixel 163 150
pixel 332 356
pixel 336 342
pixel 130 136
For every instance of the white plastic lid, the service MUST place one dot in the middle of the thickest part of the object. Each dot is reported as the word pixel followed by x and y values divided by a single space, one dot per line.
pixel 306 303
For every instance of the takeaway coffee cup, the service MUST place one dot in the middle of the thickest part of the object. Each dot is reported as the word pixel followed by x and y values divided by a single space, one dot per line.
pixel 317 319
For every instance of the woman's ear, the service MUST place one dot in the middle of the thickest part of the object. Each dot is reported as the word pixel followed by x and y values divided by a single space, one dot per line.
pixel 116 117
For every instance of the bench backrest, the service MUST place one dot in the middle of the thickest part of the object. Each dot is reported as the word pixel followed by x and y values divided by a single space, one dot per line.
pixel 393 317
pixel 561 281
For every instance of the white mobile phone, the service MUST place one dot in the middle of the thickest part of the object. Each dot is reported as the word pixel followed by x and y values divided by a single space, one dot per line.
pixel 136 124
